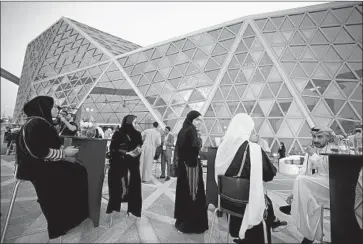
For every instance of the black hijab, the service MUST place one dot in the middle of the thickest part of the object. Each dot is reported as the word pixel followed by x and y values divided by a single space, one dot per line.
pixel 40 106
pixel 189 129
pixel 128 128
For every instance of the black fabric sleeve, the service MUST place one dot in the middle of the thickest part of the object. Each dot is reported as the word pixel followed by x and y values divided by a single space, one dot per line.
pixel 194 146
pixel 36 137
pixel 269 170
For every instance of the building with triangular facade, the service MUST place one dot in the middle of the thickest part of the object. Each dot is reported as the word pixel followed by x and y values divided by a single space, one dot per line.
pixel 290 70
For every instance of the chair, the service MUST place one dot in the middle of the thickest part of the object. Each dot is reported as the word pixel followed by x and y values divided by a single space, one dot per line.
pixel 13 197
pixel 233 195
pixel 322 209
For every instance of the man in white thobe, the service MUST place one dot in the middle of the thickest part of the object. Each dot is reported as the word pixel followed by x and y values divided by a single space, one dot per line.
pixel 151 139
pixel 311 191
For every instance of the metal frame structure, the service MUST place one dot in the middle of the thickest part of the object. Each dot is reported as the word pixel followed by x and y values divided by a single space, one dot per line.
pixel 290 70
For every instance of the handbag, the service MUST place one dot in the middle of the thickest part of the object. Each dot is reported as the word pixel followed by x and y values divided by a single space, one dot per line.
pixel 247 182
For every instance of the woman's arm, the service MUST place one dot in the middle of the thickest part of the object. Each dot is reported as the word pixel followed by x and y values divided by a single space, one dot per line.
pixel 37 136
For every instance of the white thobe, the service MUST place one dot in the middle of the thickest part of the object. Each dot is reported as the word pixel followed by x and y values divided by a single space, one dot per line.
pixel 152 139
pixel 310 193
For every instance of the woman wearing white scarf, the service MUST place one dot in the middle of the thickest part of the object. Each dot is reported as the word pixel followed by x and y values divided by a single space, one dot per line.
pixel 257 168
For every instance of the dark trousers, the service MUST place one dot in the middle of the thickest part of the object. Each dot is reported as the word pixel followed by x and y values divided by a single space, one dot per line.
pixel 165 159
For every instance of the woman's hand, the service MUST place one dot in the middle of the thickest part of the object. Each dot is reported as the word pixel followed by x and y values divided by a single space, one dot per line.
pixel 70 151
pixel 289 199
pixel 70 159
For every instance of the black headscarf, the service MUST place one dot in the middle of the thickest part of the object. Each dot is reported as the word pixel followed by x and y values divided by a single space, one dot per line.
pixel 188 146
pixel 128 128
pixel 190 117
pixel 40 106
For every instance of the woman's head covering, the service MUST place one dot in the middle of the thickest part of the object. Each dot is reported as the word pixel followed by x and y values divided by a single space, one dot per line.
pixel 190 117
pixel 128 128
pixel 40 106
pixel 239 131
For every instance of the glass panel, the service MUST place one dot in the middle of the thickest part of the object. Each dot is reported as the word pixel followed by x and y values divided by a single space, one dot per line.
pixel 248 105
pixel 232 95
pixel 256 88
pixel 248 41
pixel 358 107
pixel 275 86
pixel 336 128
pixel 257 111
pixel 348 113
pixel 321 109
pixel 334 104
pixel 288 56
pixel 265 70
pixel 305 131
pixel 296 19
pixel 347 86
pixel 357 53
pixel 355 17
pixel 249 32
pixel 355 31
pixel 343 37
pixel 345 73
pixel 240 90
pixel 297 39
pixel 232 107
pixel 285 105
pixel 357 94
pixel 321 85
pixel 265 106
pixel 275 124
pixel 269 27
pixel 330 20
pixel 276 111
pixel 266 93
pixel 310 102
pixel 265 130
pixel 307 22
pixel 218 96
pixel 349 126
pixel 260 23
pixel 287 25
pixel 319 38
pixel 277 21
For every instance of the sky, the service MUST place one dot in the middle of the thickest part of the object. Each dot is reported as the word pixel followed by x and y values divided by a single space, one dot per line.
pixel 143 23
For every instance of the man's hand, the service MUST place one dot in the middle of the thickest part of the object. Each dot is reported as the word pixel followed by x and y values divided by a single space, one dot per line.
pixel 289 199
pixel 310 150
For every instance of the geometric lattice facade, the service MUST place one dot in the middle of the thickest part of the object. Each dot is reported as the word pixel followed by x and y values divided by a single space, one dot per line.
pixel 289 70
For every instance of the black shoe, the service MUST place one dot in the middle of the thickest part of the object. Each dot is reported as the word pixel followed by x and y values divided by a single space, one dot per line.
pixel 162 177
pixel 286 209
pixel 306 241
pixel 278 225
pixel 167 178
pixel 239 241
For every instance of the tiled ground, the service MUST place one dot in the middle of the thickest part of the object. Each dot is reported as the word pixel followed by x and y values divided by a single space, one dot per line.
pixel 28 224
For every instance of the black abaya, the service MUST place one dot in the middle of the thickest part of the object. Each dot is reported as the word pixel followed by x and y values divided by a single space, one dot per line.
pixel 122 189
pixel 61 186
pixel 191 215
pixel 255 234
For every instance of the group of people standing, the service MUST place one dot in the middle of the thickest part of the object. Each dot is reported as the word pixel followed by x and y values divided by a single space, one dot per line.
pixel 62 190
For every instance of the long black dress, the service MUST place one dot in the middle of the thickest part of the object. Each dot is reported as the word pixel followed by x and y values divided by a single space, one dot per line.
pixel 191 215
pixel 61 186
pixel 255 234
pixel 122 189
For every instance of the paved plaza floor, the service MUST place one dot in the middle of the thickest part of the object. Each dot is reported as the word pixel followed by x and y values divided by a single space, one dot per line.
pixel 28 225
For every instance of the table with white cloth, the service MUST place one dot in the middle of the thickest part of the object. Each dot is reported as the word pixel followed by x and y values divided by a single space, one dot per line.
pixel 290 165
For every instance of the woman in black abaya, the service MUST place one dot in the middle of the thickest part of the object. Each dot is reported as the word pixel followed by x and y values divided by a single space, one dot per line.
pixel 190 201
pixel 60 182
pixel 125 151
